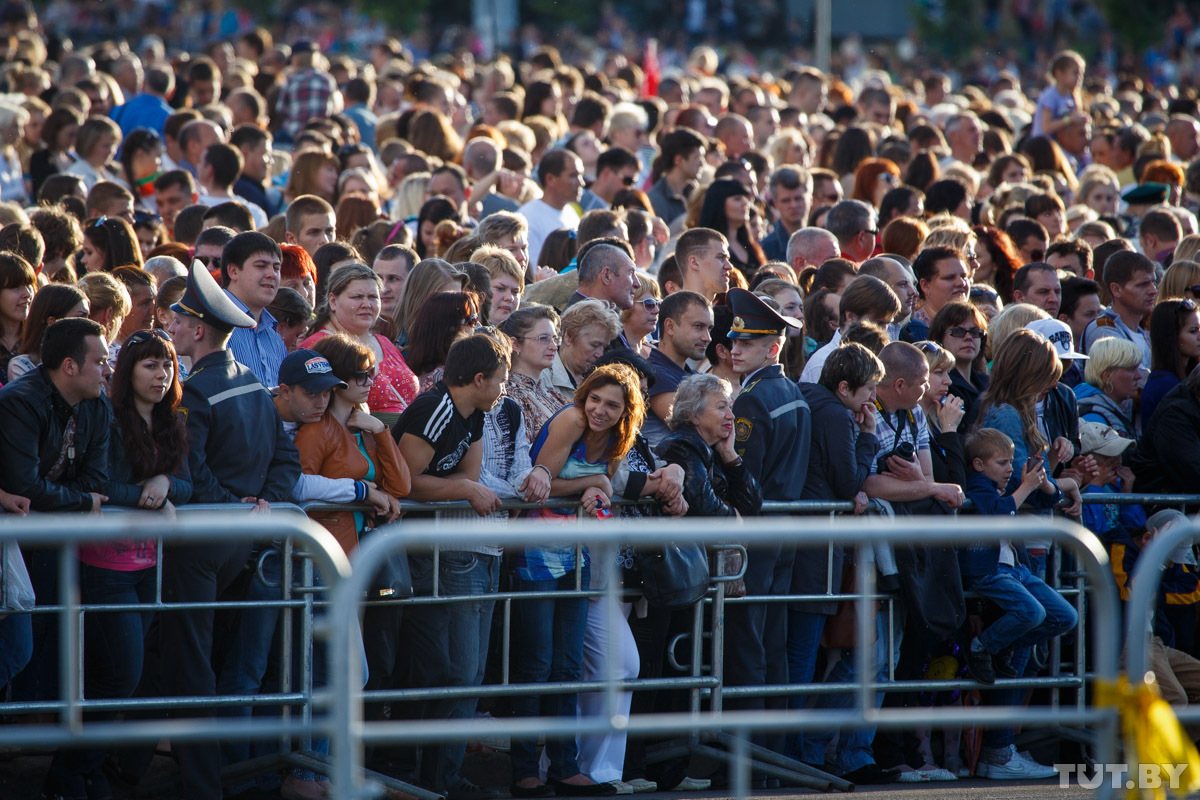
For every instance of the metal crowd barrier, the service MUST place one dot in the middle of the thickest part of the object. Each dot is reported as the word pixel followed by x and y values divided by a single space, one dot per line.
pixel 439 533
pixel 1143 600
pixel 352 733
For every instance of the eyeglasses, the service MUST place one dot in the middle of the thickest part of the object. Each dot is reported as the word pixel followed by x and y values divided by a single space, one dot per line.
pixel 145 335
pixel 146 217
pixel 209 261
pixel 1186 305
pixel 628 179
pixel 364 377
pixel 650 303
pixel 962 333
pixel 545 340
pixel 977 291
pixel 1195 290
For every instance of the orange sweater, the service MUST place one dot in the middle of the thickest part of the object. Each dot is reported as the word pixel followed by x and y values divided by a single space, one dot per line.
pixel 329 448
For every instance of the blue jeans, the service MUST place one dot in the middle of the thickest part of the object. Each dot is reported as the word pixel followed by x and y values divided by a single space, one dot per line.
pixel 1033 613
pixel 470 629
pixel 16 645
pixel 250 654
pixel 854 748
pixel 39 680
pixel 803 646
pixel 548 638
pixel 113 656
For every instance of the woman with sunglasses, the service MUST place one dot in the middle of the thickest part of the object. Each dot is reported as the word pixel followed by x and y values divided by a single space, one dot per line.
pixel 961 329
pixel 351 307
pixel 147 469
pixel 1174 350
pixel 534 334
pixel 640 320
pixel 874 178
pixel 141 163
pixel 444 318
pixel 349 444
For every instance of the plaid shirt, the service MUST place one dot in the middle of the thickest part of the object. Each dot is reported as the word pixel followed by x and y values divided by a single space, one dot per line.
pixel 307 94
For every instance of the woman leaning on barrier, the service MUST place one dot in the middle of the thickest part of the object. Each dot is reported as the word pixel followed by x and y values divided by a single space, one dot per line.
pixel 581 446
pixel 147 468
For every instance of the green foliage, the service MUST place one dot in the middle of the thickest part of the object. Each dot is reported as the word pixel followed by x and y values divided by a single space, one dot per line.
pixel 949 28
pixel 549 12
pixel 1141 28
pixel 404 15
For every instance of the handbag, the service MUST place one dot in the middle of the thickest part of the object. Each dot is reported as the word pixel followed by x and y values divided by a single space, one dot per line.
pixel 674 577
pixel 842 628
pixel 16 590
pixel 393 580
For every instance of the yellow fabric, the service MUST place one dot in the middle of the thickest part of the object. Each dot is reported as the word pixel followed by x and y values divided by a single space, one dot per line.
pixel 1151 734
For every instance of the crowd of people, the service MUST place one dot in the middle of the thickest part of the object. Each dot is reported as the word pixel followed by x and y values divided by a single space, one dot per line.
pixel 261 276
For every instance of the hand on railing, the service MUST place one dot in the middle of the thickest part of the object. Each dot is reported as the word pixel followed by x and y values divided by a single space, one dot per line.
pixel 14 504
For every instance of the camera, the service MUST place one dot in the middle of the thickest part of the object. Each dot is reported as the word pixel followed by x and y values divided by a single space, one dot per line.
pixel 903 450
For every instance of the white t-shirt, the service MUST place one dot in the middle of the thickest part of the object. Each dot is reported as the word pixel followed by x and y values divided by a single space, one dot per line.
pixel 816 362
pixel 544 219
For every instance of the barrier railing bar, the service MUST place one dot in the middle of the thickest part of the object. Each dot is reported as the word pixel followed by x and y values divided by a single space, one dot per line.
pixel 1147 575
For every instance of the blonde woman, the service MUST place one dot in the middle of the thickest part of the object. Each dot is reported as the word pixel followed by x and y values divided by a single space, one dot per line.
pixel 640 320
pixel 1181 281
pixel 96 146
pixel 410 196
pixel 109 304
pixel 13 121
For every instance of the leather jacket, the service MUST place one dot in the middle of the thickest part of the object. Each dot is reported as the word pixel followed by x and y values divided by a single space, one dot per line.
pixel 711 489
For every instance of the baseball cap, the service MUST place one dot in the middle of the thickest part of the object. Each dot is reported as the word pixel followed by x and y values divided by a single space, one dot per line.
pixel 1169 518
pixel 1058 333
pixel 1097 438
pixel 309 370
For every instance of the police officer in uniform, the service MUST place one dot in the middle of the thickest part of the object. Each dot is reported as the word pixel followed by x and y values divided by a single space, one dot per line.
pixel 772 430
pixel 238 453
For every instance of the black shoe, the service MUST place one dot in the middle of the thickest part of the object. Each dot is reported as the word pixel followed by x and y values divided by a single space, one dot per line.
pixel 562 789
pixel 1002 664
pixel 541 790
pixel 465 790
pixel 979 666
pixel 871 775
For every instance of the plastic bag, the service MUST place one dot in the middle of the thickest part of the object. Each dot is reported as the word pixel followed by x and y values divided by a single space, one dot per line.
pixel 16 590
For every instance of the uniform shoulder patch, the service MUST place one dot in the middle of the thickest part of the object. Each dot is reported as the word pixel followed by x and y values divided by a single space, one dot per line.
pixel 742 428
pixel 183 413
pixel 1105 322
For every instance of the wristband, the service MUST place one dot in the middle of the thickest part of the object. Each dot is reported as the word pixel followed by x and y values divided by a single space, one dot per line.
pixel 545 469
pixel 737 462
pixel 360 491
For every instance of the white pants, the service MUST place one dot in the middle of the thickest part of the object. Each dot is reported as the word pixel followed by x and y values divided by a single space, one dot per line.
pixel 602 757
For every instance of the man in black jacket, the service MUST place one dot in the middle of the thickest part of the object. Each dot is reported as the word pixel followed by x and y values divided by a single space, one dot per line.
pixel 843 448
pixel 55 448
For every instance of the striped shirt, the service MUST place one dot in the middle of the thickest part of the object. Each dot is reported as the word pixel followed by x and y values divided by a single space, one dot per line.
pixel 260 349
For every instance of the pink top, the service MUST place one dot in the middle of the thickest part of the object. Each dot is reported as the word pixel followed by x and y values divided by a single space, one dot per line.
pixel 123 555
pixel 395 385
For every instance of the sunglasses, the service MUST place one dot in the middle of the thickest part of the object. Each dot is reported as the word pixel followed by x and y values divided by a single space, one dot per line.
pixel 145 335
pixel 1187 306
pixel 962 333
pixel 209 261
pixel 650 303
pixel 980 292
pixel 146 217
pixel 364 377
pixel 1195 290
pixel 929 347
pixel 628 180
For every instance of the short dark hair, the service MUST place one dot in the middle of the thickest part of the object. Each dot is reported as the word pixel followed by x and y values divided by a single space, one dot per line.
pixel 616 158
pixel 226 162
pixel 1021 229
pixel 1121 267
pixel 925 264
pixel 290 307
pixel 248 135
pixel 1063 246
pixel 1161 223
pixel 553 163
pixel 474 355
pixel 1075 289
pixel 599 222
pixel 853 363
pixel 67 338
pixel 594 262
pixel 242 247
pixel 24 240
pixel 944 195
pixel 1022 279
pixel 231 214
pixel 676 304
pixel 176 177
pixel 694 241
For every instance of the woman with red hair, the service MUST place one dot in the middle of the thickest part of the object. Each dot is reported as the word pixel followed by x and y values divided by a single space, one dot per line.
pixel 297 271
pixel 874 178
pixel 997 258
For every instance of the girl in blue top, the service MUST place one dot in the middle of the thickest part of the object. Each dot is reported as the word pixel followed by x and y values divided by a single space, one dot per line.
pixel 581 447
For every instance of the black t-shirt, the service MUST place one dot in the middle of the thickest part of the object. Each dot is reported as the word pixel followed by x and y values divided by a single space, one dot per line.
pixel 433 418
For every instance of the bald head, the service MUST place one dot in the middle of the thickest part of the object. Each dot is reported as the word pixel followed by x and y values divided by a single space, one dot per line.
pixel 481 157
pixel 812 247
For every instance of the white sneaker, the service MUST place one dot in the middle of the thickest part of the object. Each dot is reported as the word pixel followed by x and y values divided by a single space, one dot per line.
pixel 1005 765
pixel 1028 758
pixel 693 785
pixel 641 785
pixel 621 786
